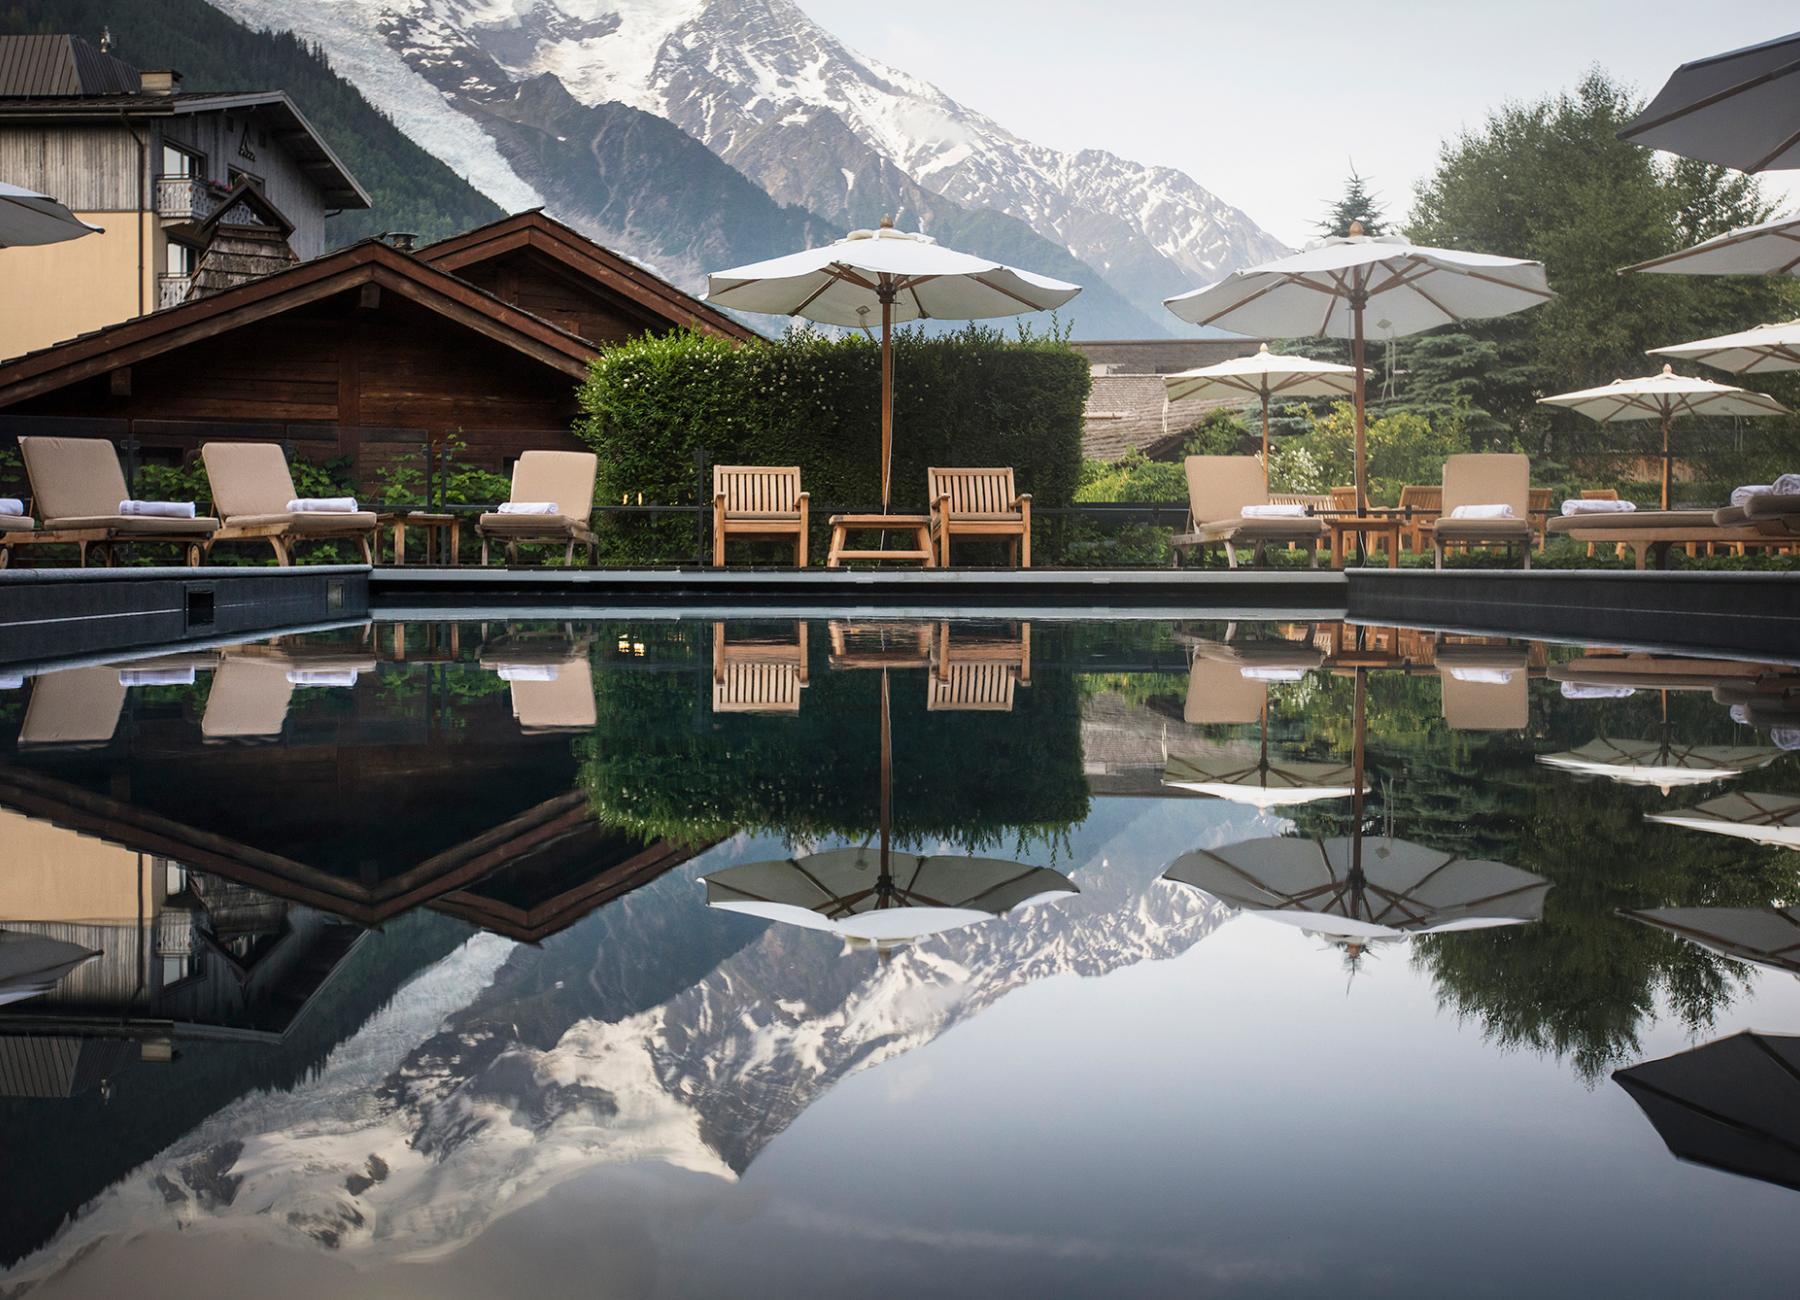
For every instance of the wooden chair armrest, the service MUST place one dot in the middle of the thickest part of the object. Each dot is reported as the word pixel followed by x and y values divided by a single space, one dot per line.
pixel 804 496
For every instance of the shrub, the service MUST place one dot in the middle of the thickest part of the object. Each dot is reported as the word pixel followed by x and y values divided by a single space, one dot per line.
pixel 975 397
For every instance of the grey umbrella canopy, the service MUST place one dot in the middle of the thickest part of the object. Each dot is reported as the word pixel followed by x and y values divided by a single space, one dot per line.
pixel 33 964
pixel 1739 109
pixel 1363 888
pixel 1768 936
pixel 28 218
pixel 1732 1105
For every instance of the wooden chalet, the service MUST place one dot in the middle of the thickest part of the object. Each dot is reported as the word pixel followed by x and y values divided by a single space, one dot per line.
pixel 373 352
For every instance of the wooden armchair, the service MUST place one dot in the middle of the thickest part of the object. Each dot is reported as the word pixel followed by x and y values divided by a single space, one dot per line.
pixel 1426 500
pixel 978 672
pixel 759 503
pixel 1540 506
pixel 978 503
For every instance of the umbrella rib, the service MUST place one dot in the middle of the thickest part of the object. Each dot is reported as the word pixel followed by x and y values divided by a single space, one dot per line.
pixel 1706 1112
pixel 1777 151
pixel 1001 289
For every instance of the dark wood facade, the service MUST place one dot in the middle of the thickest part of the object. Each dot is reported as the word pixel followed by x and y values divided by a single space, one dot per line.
pixel 369 353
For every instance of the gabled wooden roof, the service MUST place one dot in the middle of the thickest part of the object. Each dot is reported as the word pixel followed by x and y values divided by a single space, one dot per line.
pixel 658 301
pixel 370 262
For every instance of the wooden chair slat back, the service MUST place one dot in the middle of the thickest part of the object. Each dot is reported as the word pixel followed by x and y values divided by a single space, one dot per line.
pixel 758 489
pixel 756 686
pixel 973 491
pixel 1424 498
pixel 973 686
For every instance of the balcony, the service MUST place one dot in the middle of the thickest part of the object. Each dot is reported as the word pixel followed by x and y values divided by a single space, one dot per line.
pixel 172 290
pixel 183 198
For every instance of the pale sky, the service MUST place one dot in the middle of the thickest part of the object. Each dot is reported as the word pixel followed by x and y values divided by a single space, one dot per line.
pixel 1268 104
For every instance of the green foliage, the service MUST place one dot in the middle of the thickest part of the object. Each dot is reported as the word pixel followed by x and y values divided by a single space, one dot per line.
pixel 408 187
pixel 975 397
pixel 1224 431
pixel 1548 179
pixel 454 481
pixel 1356 204
pixel 1403 447
pixel 1133 477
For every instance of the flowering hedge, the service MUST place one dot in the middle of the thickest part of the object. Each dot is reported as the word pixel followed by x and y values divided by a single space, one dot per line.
pixel 975 397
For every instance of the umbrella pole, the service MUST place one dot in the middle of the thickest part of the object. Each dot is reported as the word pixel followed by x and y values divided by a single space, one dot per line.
pixel 1356 773
pixel 887 778
pixel 1362 455
pixel 887 397
pixel 1668 467
pixel 1265 404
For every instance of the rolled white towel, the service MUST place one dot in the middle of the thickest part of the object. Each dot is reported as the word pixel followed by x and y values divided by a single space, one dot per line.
pixel 1739 495
pixel 1594 691
pixel 1483 676
pixel 321 676
pixel 1787 738
pixel 527 672
pixel 529 508
pixel 1584 506
pixel 1275 510
pixel 1740 713
pixel 1787 484
pixel 157 676
pixel 322 506
pixel 11 681
pixel 1273 674
pixel 11 506
pixel 1483 512
pixel 158 509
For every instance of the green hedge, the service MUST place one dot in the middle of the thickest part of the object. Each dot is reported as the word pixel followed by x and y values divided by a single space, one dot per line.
pixel 975 397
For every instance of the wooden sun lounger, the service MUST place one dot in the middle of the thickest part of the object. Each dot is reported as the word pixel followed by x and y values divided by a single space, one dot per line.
pixel 1650 533
pixel 1219 487
pixel 1483 705
pixel 14 528
pixel 251 486
pixel 1484 478
pixel 78 486
pixel 564 478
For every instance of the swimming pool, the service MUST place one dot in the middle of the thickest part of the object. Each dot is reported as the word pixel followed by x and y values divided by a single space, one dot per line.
pixel 884 956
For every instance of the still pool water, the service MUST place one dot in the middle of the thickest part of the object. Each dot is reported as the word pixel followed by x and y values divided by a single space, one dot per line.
pixel 889 958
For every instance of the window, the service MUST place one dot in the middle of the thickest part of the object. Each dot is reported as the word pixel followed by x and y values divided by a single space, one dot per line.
pixel 180 161
pixel 181 258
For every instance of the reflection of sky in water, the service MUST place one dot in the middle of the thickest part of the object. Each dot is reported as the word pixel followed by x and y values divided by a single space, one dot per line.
pixel 1121 1092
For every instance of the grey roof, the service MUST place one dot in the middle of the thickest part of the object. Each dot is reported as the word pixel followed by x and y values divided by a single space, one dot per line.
pixel 1126 413
pixel 339 189
pixel 61 65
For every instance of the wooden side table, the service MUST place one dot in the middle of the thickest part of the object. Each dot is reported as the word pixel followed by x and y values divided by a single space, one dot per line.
pixel 1368 529
pixel 918 525
pixel 434 526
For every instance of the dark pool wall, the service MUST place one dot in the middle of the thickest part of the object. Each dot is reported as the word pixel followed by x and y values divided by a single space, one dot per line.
pixel 56 613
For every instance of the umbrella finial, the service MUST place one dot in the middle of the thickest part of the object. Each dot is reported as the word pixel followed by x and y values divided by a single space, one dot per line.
pixel 887 223
pixel 1263 350
pixel 1356 229
pixel 1668 369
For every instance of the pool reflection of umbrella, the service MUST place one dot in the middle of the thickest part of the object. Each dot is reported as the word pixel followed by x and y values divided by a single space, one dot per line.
pixel 1363 888
pixel 873 894
pixel 33 964
pixel 1732 1105
pixel 1765 818
pixel 1259 781
pixel 1661 763
pixel 855 893
pixel 1768 936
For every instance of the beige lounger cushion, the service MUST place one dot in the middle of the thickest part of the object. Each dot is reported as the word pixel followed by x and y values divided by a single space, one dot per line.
pixel 78 485
pixel 1485 706
pixel 1503 657
pixel 77 706
pixel 1261 530
pixel 248 697
pixel 250 480
pixel 144 524
pixel 566 701
pixel 1481 529
pixel 532 525
pixel 308 521
pixel 1731 517
pixel 1633 520
pixel 1775 512
pixel 17 524
pixel 1481 479
pixel 1219 693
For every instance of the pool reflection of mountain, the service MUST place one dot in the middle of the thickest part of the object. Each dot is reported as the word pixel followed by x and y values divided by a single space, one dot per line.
pixel 653 1030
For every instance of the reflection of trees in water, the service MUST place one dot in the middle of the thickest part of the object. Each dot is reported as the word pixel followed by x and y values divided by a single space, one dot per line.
pixel 660 762
pixel 1581 983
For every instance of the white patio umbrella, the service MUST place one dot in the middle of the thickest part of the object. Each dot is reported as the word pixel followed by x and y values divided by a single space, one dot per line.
pixel 1768 936
pixel 28 218
pixel 33 964
pixel 1738 109
pixel 1363 888
pixel 1326 289
pixel 885 277
pixel 1262 375
pixel 1665 397
pixel 1259 782
pixel 1769 248
pixel 1660 763
pixel 1765 818
pixel 1748 352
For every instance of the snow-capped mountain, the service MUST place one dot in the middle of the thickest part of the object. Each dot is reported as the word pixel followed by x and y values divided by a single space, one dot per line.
pixel 814 124
pixel 504 1070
